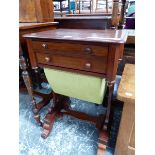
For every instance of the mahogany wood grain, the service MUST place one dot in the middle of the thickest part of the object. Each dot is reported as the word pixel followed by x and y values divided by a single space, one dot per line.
pixel 82 35
pixel 90 52
pixel 26 28
pixel 92 64
pixel 31 55
pixel 35 10
pixel 121 52
pixel 113 61
pixel 70 48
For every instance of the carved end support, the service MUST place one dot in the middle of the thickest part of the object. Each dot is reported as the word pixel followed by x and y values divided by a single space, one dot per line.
pixel 28 83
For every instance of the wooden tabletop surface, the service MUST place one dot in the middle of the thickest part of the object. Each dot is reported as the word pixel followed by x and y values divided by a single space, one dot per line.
pixel 34 25
pixel 107 36
pixel 126 90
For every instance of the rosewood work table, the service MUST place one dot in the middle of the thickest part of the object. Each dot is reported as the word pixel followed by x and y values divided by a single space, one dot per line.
pixel 89 52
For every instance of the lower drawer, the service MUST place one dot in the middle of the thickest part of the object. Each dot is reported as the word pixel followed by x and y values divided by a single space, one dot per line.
pixel 93 64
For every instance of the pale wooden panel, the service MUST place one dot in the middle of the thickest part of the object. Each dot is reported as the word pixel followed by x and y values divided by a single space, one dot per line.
pixel 132 138
pixel 126 90
pixel 131 151
pixel 126 93
pixel 125 129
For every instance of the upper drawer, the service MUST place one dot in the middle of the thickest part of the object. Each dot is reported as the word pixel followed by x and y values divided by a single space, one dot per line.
pixel 70 48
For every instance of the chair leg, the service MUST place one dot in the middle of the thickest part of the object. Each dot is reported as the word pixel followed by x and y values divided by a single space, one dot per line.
pixel 106 6
pixel 61 7
pixel 79 6
pixel 90 6
pixel 69 7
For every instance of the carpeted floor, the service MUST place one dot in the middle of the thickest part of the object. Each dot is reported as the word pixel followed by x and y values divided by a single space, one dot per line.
pixel 69 136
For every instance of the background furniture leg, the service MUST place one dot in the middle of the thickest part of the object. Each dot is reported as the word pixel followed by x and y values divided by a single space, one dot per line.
pixel 79 6
pixel 106 6
pixel 121 21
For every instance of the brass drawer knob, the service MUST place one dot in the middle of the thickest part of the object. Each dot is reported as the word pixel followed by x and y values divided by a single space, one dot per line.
pixel 47 59
pixel 44 45
pixel 88 65
pixel 88 50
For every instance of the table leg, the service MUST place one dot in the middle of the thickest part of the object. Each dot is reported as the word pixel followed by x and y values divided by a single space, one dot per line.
pixel 110 91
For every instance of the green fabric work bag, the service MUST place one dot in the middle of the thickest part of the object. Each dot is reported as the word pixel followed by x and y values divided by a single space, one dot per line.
pixel 83 87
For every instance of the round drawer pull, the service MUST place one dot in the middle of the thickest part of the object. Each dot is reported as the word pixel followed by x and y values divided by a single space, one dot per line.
pixel 44 46
pixel 47 59
pixel 88 65
pixel 88 50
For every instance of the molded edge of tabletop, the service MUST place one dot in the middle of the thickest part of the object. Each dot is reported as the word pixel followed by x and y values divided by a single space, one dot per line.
pixel 84 35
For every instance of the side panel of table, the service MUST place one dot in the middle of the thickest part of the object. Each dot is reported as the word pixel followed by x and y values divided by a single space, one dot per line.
pixel 125 140
pixel 126 93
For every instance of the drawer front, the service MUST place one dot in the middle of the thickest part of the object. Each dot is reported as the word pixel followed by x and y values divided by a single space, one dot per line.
pixel 93 64
pixel 70 48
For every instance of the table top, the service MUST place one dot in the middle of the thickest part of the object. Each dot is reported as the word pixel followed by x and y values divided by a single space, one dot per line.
pixel 23 26
pixel 107 36
pixel 126 90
